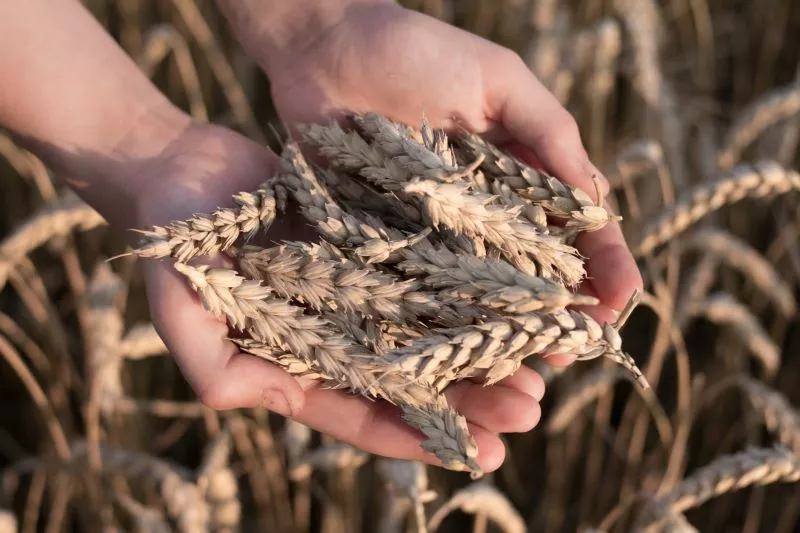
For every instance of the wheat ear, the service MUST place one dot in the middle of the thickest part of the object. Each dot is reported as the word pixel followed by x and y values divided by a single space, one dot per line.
pixel 739 254
pixel 481 499
pixel 779 415
pixel 724 309
pixel 756 466
pixel 211 234
pixel 53 220
pixel 217 482
pixel 499 346
pixel 769 109
pixel 760 180
pixel 448 204
pixel 321 277
pixel 554 196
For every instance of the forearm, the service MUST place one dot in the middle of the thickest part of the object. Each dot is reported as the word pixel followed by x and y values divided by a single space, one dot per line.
pixel 71 95
pixel 272 32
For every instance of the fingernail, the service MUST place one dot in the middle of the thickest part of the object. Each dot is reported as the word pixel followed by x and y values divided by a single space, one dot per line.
pixel 275 400
pixel 539 394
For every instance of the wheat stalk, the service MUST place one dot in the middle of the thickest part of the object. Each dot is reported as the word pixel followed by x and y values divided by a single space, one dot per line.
pixel 145 519
pixel 588 389
pixel 760 180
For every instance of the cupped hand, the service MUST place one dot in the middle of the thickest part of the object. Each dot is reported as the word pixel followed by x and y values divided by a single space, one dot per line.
pixel 381 57
pixel 199 171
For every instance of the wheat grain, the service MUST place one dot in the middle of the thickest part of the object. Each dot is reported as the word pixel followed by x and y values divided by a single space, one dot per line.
pixel 769 109
pixel 723 309
pixel 737 253
pixel 211 234
pixel 481 499
pixel 760 180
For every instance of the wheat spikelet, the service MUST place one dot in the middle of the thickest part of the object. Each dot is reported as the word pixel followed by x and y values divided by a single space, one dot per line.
pixel 756 466
pixel 557 198
pixel 211 234
pixel 481 499
pixel 407 486
pixel 588 389
pixel 141 340
pixel 217 482
pixel 499 346
pixel 8 523
pixel 57 219
pixel 742 256
pixel 181 497
pixel 779 415
pixel 759 180
pixel 769 109
pixel 723 309
pixel 328 458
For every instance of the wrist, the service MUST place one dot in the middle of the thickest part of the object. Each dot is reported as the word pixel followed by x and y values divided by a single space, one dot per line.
pixel 276 33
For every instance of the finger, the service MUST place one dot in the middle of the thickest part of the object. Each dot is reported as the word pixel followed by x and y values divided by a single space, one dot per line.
pixel 611 269
pixel 525 380
pixel 498 409
pixel 533 117
pixel 222 377
pixel 377 427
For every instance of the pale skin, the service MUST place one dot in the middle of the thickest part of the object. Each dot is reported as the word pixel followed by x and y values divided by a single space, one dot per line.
pixel 72 96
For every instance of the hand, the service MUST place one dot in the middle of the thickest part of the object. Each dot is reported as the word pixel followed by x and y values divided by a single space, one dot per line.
pixel 381 57
pixel 199 170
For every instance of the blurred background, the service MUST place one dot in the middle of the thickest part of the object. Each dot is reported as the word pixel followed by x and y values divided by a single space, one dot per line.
pixel 675 99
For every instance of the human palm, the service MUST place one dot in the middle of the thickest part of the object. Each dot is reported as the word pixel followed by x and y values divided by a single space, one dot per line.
pixel 402 64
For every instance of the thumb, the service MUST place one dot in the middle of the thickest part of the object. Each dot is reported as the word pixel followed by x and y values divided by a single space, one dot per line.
pixel 222 376
pixel 532 116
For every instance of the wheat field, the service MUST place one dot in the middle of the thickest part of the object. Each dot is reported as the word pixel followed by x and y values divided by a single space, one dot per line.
pixel 691 108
